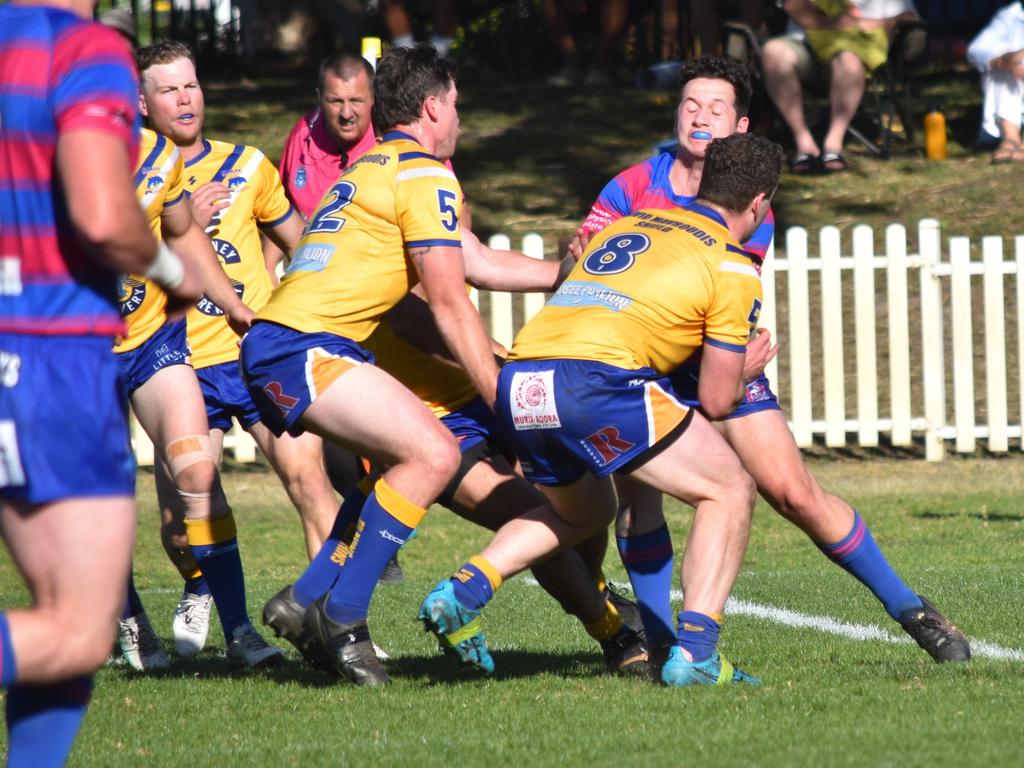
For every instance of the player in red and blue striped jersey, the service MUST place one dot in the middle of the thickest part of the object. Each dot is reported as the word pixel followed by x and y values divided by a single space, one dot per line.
pixel 68 224
pixel 714 96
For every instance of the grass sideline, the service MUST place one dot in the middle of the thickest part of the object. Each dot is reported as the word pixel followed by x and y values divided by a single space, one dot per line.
pixel 953 530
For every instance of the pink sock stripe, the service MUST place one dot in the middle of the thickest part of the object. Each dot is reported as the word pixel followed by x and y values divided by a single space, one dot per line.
pixel 855 539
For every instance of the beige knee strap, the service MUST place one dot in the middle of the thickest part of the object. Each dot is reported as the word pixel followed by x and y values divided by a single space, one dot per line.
pixel 187 451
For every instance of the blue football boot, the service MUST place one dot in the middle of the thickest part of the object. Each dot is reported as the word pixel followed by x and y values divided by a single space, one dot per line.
pixel 457 628
pixel 715 670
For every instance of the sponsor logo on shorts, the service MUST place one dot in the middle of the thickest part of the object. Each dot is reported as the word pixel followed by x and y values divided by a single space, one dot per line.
pixel 533 401
pixel 10 369
pixel 605 445
pixel 284 402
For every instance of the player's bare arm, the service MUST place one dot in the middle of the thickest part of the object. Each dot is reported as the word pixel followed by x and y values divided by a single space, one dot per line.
pixel 107 217
pixel 721 386
pixel 501 270
pixel 443 277
pixel 182 232
pixel 285 236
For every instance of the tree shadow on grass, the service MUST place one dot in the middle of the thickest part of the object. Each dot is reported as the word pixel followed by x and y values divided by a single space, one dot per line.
pixel 988 517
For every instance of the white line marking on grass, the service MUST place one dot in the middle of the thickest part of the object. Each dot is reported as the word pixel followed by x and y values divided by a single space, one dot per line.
pixel 833 626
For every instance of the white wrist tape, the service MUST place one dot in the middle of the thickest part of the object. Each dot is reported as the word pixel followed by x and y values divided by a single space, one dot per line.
pixel 167 269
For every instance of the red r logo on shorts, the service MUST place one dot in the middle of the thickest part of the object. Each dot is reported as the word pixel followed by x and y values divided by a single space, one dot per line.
pixel 608 444
pixel 284 402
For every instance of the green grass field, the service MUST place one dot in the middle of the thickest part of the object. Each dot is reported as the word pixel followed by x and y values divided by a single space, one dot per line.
pixel 953 530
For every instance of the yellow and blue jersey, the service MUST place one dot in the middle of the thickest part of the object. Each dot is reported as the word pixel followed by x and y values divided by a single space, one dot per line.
pixel 648 292
pixel 158 184
pixel 257 199
pixel 351 266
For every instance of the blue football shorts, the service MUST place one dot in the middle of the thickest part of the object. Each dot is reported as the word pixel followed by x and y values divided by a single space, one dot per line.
pixel 63 420
pixel 568 417
pixel 286 369
pixel 225 396
pixel 167 346
pixel 758 395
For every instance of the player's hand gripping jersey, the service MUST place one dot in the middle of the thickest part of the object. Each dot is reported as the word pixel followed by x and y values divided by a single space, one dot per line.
pixel 351 265
pixel 648 292
pixel 158 185
pixel 257 199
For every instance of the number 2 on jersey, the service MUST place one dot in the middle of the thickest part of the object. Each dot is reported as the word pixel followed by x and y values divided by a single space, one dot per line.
pixel 327 219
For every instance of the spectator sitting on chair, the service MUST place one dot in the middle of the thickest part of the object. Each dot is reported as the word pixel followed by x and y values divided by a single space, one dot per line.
pixel 850 37
pixel 998 53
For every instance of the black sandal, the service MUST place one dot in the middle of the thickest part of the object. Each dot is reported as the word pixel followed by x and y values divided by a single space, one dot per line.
pixel 803 163
pixel 837 161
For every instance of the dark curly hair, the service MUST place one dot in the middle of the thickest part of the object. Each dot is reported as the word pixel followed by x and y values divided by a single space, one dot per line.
pixel 738 168
pixel 405 77
pixel 721 68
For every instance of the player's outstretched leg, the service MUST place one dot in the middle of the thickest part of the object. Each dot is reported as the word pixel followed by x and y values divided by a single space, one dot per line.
pixel 935 633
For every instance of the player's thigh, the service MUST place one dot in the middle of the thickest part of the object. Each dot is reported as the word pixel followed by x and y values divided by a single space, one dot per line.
pixel 370 412
pixel 697 466
pixel 169 406
pixel 769 453
pixel 74 553
pixel 492 493
pixel 587 503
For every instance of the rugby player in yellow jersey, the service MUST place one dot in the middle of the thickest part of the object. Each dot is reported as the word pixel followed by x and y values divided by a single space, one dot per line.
pixel 159 382
pixel 234 194
pixel 586 393
pixel 390 221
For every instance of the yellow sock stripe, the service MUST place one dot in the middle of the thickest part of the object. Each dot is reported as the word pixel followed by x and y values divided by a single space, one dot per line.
pixel 205 532
pixel 606 626
pixel 488 570
pixel 725 675
pixel 190 573
pixel 717 617
pixel 602 585
pixel 365 486
pixel 464 633
pixel 396 505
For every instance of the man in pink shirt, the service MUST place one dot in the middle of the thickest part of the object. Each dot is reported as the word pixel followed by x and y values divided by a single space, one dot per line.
pixel 327 140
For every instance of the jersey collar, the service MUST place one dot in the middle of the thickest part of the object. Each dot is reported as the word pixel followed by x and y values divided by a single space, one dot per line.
pixel 206 150
pixel 395 135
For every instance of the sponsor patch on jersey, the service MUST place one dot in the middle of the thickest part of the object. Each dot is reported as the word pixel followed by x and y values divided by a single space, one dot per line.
pixel 533 400
pixel 226 252
pixel 10 369
pixel 312 257
pixel 132 293
pixel 207 307
pixel 300 178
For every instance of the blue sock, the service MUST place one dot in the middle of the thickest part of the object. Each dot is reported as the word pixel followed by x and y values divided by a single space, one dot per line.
pixel 858 554
pixel 214 545
pixel 323 570
pixel 472 586
pixel 647 559
pixel 133 603
pixel 386 521
pixel 197 585
pixel 698 634
pixel 8 667
pixel 42 721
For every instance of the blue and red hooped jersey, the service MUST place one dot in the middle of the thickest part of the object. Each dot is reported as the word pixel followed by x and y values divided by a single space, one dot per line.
pixel 646 187
pixel 58 73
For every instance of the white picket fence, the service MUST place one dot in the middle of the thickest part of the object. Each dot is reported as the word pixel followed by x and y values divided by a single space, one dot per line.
pixel 835 376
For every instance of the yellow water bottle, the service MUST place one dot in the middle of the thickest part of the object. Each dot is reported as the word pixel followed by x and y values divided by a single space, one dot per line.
pixel 371 50
pixel 935 147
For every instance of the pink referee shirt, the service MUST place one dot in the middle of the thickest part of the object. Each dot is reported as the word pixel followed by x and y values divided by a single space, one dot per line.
pixel 312 162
